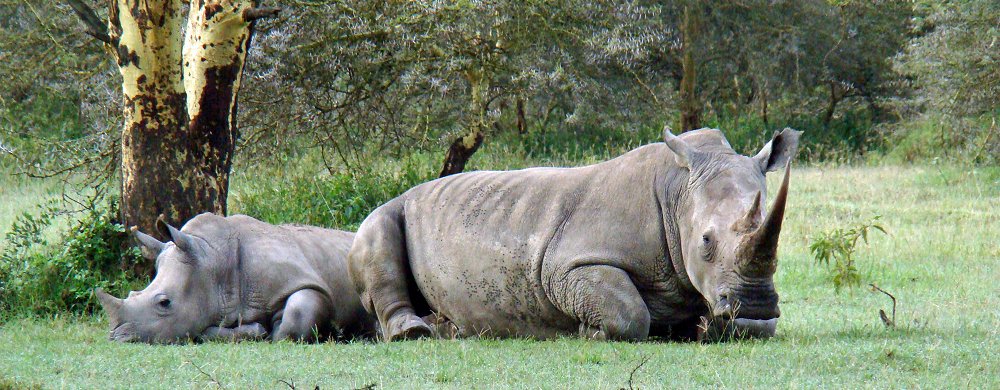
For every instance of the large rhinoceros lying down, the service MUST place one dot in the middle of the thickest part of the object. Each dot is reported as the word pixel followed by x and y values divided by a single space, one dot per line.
pixel 650 243
pixel 236 278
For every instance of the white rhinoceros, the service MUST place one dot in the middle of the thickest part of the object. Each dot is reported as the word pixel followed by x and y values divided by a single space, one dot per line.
pixel 650 243
pixel 237 278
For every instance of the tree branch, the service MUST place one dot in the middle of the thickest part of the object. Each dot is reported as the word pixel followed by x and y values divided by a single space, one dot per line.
pixel 90 19
pixel 260 13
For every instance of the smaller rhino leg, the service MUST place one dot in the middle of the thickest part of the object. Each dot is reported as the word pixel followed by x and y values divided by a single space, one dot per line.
pixel 252 331
pixel 305 314
pixel 605 301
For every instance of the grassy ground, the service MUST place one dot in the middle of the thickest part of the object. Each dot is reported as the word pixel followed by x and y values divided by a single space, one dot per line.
pixel 942 261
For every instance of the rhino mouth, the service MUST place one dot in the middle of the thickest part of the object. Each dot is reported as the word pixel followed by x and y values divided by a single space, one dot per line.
pixel 749 301
pixel 124 332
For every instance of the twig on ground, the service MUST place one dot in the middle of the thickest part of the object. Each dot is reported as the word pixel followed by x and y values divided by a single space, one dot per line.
pixel 885 319
pixel 631 376
pixel 206 374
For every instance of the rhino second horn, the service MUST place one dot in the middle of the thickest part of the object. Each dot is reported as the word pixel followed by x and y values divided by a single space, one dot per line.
pixel 149 245
pixel 748 221
pixel 760 249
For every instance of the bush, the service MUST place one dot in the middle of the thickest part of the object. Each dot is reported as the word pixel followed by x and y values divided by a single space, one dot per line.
pixel 943 137
pixel 338 200
pixel 837 246
pixel 39 277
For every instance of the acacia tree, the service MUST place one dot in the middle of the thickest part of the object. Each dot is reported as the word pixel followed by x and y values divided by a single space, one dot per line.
pixel 180 79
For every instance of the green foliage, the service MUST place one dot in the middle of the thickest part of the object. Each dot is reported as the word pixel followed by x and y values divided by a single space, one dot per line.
pixel 42 277
pixel 340 200
pixel 936 137
pixel 838 246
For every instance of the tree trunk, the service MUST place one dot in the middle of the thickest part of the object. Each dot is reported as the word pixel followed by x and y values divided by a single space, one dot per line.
pixel 179 104
pixel 690 106
pixel 831 108
pixel 763 106
pixel 464 147
pixel 522 124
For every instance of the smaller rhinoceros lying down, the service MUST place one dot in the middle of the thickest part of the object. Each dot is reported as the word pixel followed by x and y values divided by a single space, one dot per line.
pixel 239 278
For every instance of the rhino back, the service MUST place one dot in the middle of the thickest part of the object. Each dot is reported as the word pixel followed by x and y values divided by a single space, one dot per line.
pixel 489 249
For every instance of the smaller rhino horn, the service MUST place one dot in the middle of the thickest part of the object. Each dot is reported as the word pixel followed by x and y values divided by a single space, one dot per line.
pixel 110 304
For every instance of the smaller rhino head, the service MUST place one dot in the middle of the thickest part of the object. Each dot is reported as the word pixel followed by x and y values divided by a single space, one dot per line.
pixel 180 302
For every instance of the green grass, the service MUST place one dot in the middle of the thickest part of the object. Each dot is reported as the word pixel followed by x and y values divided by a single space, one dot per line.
pixel 941 260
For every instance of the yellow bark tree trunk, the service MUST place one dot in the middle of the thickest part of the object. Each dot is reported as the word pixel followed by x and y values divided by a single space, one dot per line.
pixel 180 87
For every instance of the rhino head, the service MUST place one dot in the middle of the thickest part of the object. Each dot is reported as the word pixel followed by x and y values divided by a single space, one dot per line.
pixel 728 243
pixel 180 302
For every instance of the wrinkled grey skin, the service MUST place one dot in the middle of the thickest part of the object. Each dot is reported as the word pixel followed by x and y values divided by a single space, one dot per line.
pixel 239 278
pixel 668 240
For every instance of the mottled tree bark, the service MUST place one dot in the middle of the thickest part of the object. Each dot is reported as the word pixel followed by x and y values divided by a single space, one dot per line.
pixel 690 104
pixel 180 91
pixel 465 146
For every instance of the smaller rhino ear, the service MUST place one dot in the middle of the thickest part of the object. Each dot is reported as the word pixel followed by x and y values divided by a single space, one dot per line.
pixel 682 151
pixel 777 152
pixel 150 246
pixel 162 227
pixel 190 245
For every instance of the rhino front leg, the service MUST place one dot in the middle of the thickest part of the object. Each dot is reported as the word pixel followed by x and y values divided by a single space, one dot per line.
pixel 252 331
pixel 605 301
pixel 305 313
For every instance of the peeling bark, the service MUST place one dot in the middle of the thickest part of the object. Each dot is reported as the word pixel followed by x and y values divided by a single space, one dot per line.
pixel 179 104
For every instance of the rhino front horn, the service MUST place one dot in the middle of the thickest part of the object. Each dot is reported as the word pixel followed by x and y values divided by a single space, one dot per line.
pixel 760 249
pixel 110 304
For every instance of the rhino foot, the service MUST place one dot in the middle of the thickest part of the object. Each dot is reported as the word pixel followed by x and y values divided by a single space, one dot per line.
pixel 407 327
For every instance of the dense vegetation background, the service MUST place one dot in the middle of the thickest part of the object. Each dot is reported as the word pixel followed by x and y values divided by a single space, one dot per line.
pixel 345 104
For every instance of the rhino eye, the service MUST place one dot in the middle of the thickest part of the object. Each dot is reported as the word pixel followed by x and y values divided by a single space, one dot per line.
pixel 164 303
pixel 707 248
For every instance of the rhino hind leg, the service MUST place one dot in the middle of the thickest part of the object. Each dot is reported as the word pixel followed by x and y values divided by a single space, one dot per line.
pixel 381 271
pixel 605 301
pixel 305 317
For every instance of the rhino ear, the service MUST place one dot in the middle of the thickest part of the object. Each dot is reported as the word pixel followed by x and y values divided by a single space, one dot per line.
pixel 682 151
pixel 190 245
pixel 778 150
pixel 150 246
